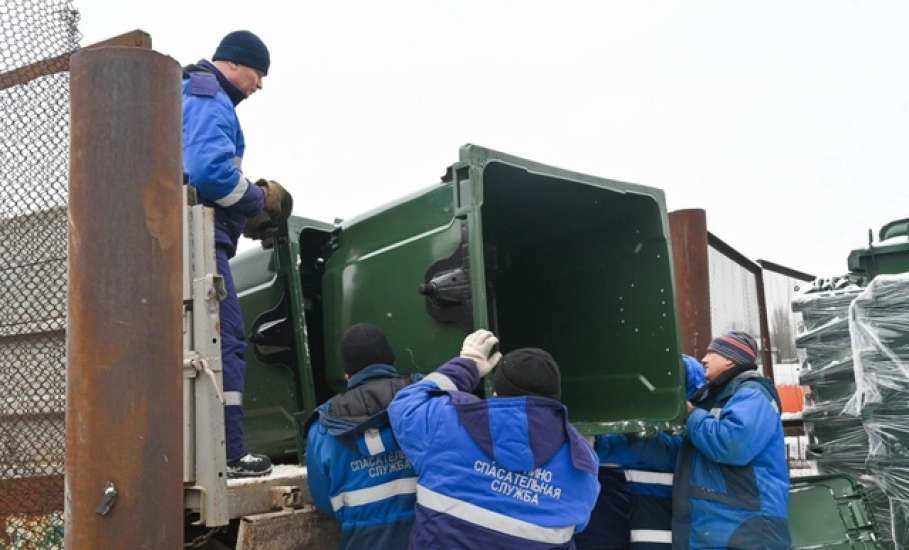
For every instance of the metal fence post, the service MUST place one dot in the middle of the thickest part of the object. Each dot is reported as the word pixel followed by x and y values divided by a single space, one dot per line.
pixel 688 229
pixel 124 342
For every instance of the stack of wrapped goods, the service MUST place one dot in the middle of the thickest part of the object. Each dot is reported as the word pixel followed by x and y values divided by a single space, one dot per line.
pixel 838 442
pixel 879 323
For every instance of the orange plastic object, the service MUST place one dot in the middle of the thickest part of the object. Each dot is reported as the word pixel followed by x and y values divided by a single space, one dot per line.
pixel 792 396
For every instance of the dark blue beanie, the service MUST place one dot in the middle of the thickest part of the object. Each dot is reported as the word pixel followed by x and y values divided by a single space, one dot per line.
pixel 363 345
pixel 528 371
pixel 245 48
pixel 739 347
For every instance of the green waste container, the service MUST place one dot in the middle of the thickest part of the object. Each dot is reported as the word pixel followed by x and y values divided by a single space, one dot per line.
pixel 889 258
pixel 824 308
pixel 830 512
pixel 577 265
pixel 831 387
pixel 888 430
pixel 836 442
pixel 278 291
pixel 893 476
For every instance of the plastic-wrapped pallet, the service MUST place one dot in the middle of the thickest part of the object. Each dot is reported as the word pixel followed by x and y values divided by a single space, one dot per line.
pixel 838 443
pixel 879 324
pixel 881 508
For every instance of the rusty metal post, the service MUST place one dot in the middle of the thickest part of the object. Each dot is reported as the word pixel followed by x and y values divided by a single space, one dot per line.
pixel 688 231
pixel 124 340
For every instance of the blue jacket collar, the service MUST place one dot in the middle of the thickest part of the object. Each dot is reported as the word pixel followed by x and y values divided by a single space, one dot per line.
pixel 377 370
pixel 340 426
pixel 712 395
pixel 753 378
pixel 234 93
pixel 711 391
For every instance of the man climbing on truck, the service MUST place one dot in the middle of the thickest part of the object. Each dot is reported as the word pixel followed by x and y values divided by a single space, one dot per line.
pixel 213 147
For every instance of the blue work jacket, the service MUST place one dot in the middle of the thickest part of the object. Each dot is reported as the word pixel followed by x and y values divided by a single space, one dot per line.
pixel 357 472
pixel 500 473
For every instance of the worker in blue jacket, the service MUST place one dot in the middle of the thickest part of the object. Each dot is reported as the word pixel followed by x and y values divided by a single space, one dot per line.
pixel 731 486
pixel 731 482
pixel 649 485
pixel 500 473
pixel 213 148
pixel 357 472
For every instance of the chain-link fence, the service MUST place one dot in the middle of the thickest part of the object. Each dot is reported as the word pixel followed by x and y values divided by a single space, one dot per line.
pixel 36 37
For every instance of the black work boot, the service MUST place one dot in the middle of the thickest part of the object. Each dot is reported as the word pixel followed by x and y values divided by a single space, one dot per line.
pixel 250 465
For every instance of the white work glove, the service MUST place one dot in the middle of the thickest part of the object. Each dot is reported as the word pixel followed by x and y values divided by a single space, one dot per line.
pixel 478 347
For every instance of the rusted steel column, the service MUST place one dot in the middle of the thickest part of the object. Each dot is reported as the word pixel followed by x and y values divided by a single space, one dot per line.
pixel 688 231
pixel 124 341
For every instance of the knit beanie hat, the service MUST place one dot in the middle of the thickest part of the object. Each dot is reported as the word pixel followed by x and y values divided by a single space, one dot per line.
pixel 739 347
pixel 245 48
pixel 363 345
pixel 528 371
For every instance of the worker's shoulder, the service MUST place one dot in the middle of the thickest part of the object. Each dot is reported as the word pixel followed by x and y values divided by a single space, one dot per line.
pixel 203 96
pixel 759 385
pixel 201 84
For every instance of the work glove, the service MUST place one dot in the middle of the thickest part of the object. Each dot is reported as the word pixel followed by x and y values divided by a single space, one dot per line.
pixel 278 202
pixel 478 347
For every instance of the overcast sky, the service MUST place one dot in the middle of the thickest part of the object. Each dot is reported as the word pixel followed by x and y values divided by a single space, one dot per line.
pixel 787 121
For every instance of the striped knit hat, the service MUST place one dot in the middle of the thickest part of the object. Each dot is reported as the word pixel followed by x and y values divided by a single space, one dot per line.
pixel 739 347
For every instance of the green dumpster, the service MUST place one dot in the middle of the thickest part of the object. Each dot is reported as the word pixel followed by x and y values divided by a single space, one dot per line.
pixel 830 512
pixel 892 257
pixel 578 265
pixel 879 323
pixel 832 386
pixel 278 291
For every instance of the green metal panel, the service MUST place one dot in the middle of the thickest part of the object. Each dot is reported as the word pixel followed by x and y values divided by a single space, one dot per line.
pixel 374 275
pixel 830 512
pixel 281 383
pixel 896 228
pixel 577 265
pixel 878 260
